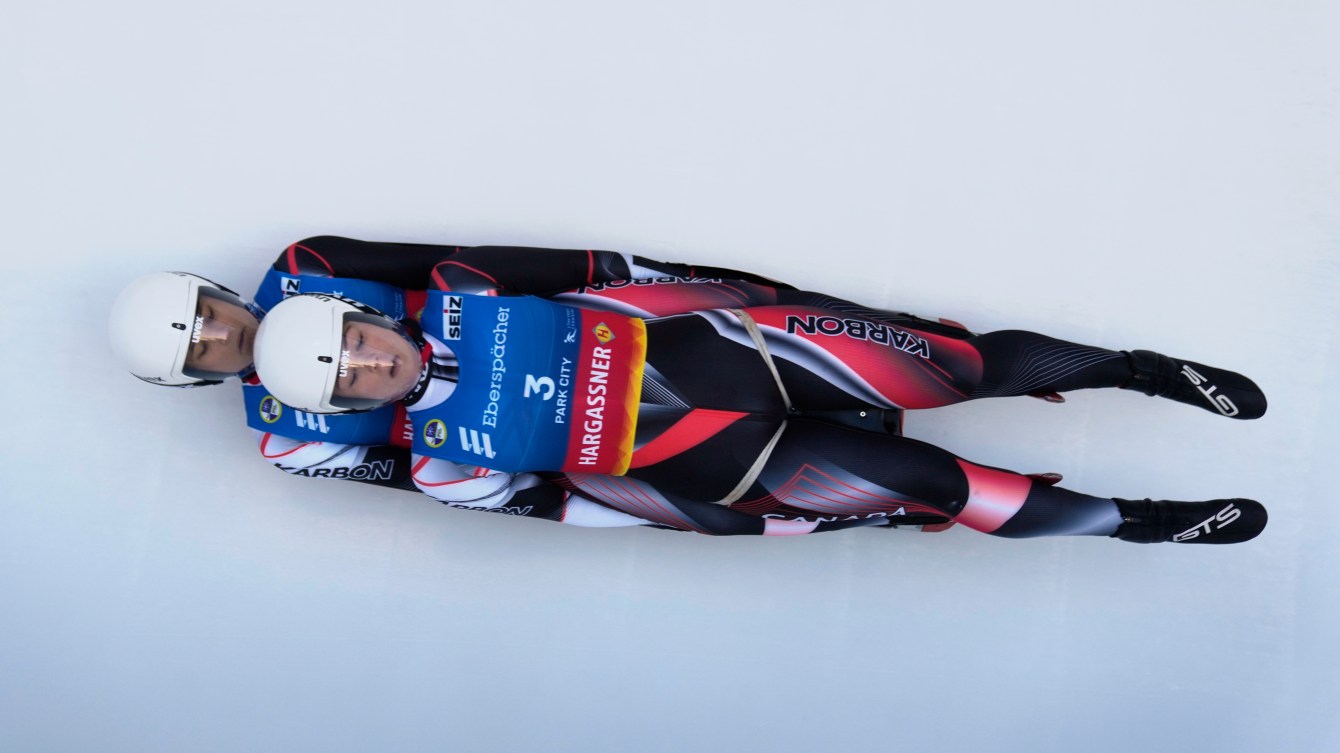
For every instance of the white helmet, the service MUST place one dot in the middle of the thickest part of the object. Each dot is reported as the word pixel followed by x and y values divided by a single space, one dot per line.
pixel 152 323
pixel 301 352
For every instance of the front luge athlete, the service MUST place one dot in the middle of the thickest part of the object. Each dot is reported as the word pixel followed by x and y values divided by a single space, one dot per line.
pixel 718 421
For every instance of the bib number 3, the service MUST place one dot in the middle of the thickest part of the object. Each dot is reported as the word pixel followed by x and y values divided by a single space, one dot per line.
pixel 542 386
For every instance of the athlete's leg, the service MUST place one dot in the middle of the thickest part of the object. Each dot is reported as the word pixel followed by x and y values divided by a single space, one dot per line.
pixel 819 472
pixel 829 361
pixel 995 364
pixel 843 307
pixel 710 412
pixel 705 393
pixel 715 414
pixel 825 472
pixel 821 477
pixel 638 497
pixel 689 465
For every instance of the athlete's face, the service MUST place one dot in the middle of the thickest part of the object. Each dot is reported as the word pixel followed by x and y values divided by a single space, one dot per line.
pixel 382 366
pixel 227 332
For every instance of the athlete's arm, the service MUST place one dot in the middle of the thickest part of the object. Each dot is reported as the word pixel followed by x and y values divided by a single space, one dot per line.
pixel 471 487
pixel 538 271
pixel 405 265
pixel 382 465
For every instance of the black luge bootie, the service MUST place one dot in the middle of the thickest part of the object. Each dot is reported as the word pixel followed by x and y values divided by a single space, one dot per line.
pixel 1217 521
pixel 1219 390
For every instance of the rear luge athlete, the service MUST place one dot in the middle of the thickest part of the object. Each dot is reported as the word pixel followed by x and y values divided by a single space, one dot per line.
pixel 183 330
pixel 719 421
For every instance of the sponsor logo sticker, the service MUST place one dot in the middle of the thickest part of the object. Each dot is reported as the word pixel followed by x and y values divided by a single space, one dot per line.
pixel 311 421
pixel 1211 524
pixel 435 433
pixel 451 318
pixel 858 329
pixel 603 333
pixel 477 442
pixel 1221 402
pixel 271 409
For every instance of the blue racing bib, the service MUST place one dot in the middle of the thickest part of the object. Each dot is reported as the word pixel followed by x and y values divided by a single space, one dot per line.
pixel 543 387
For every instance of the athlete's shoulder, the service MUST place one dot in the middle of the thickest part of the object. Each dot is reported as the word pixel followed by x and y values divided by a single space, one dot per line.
pixel 309 256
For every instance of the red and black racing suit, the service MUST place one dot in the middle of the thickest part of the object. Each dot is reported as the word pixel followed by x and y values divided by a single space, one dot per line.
pixel 735 433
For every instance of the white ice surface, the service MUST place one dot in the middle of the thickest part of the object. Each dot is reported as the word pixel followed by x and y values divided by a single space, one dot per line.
pixel 1162 175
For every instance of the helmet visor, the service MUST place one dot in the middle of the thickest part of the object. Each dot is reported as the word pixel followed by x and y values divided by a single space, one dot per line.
pixel 221 337
pixel 378 364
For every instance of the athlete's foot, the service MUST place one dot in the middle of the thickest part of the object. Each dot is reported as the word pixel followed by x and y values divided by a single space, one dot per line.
pixel 1218 521
pixel 1218 390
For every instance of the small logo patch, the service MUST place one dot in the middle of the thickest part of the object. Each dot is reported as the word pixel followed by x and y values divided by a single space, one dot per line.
pixel 1210 524
pixel 1221 402
pixel 603 333
pixel 451 318
pixel 435 433
pixel 271 409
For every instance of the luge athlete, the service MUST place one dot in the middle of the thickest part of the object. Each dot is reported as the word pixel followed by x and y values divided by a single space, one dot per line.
pixel 182 330
pixel 719 421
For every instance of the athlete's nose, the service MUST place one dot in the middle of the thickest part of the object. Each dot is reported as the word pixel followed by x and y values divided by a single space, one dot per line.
pixel 212 329
pixel 375 360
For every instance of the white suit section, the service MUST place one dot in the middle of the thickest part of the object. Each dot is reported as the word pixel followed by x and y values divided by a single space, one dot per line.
pixel 321 459
pixel 467 485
